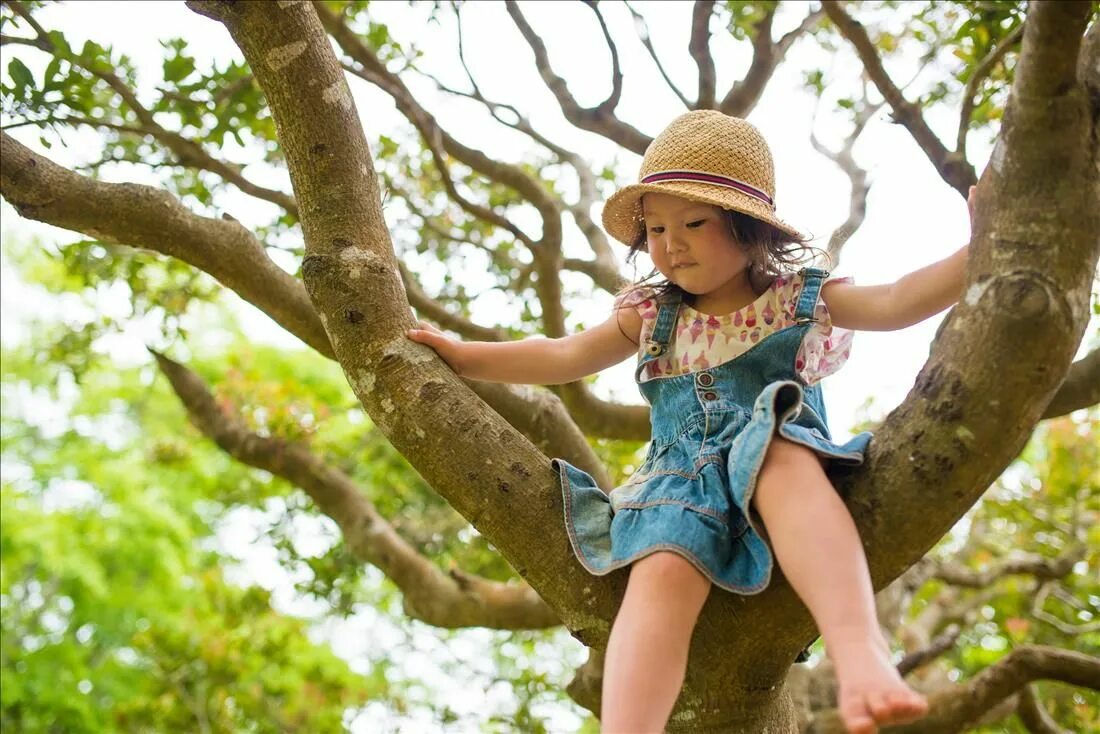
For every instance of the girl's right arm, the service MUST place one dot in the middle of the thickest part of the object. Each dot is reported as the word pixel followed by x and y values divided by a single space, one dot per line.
pixel 538 360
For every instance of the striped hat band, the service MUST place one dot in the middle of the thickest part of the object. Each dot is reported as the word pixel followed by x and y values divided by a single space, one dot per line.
pixel 709 178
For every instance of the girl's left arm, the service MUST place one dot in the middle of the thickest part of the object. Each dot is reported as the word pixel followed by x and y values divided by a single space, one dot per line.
pixel 908 301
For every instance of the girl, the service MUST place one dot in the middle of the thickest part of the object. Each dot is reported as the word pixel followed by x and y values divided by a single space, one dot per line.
pixel 731 348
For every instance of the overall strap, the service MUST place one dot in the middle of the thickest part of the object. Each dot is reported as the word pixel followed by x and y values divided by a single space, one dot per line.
pixel 812 280
pixel 658 341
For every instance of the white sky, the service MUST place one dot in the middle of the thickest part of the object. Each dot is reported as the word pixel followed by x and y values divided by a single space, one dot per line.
pixel 913 217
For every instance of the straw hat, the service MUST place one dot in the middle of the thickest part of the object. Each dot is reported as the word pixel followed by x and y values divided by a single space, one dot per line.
pixel 704 156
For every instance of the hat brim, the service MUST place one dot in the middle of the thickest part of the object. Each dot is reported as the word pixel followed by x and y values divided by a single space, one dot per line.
pixel 622 214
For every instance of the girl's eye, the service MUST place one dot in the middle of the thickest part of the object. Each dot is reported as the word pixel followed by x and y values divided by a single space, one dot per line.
pixel 696 224
pixel 656 230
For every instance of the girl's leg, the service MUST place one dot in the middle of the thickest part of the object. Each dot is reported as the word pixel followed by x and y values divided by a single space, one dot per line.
pixel 818 548
pixel 648 648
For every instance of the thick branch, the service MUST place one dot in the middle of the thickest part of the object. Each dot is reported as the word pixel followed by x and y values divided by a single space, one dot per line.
pixel 432 596
pixel 952 167
pixel 1034 565
pixel 1080 389
pixel 508 492
pixel 145 217
pixel 954 709
pixel 142 216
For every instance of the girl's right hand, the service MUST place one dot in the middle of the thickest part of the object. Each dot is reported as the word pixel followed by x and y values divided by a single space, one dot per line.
pixel 449 350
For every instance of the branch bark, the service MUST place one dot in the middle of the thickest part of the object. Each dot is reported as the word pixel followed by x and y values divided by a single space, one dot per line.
pixel 1080 389
pixel 954 709
pixel 599 119
pixel 958 707
pixel 457 599
pixel 952 166
pixel 144 217
pixel 350 271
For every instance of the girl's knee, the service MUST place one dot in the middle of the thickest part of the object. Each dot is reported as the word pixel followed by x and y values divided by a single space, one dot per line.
pixel 784 462
pixel 785 456
pixel 667 569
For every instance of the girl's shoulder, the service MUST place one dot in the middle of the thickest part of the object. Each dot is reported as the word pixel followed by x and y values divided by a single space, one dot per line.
pixel 642 298
pixel 788 287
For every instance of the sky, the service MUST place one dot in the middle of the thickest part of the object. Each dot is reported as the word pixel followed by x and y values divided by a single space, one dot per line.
pixel 913 217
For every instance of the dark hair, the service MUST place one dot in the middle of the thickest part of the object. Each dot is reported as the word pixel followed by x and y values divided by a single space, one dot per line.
pixel 772 252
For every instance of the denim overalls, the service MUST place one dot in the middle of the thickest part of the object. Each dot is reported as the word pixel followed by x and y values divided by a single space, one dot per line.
pixel 710 432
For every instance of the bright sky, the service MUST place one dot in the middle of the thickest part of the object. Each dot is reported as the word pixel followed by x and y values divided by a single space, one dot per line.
pixel 913 217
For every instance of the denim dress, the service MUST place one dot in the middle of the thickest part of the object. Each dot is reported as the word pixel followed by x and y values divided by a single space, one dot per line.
pixel 710 432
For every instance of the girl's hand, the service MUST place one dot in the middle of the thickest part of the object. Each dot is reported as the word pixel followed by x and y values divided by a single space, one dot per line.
pixel 450 350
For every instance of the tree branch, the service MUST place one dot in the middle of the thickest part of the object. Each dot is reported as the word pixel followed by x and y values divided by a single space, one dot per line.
pixel 612 101
pixel 642 29
pixel 952 167
pixel 446 600
pixel 954 709
pixel 857 177
pixel 141 216
pixel 979 74
pixel 699 48
pixel 1033 716
pixel 441 428
pixel 188 153
pixel 1040 567
pixel 598 119
pixel 1080 389
pixel 766 57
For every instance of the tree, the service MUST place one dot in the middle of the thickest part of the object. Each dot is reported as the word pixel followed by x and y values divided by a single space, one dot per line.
pixel 1033 255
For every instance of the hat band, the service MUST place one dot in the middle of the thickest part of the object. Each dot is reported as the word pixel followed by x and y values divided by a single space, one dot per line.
pixel 711 178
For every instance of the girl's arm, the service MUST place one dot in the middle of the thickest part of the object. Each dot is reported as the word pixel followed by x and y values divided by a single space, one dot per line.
pixel 908 301
pixel 539 361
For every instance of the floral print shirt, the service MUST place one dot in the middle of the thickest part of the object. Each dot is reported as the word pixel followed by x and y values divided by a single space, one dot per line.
pixel 702 341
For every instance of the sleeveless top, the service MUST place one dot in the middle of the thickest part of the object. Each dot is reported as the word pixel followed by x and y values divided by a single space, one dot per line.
pixel 701 341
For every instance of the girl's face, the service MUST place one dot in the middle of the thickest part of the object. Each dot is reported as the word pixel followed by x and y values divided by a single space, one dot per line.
pixel 691 244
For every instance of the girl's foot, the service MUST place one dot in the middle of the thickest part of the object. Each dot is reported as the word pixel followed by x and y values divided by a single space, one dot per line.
pixel 872 693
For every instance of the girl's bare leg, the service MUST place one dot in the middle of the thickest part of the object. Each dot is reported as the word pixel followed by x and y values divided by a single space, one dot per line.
pixel 818 548
pixel 648 648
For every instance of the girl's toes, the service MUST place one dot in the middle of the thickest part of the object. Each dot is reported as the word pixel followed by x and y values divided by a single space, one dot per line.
pixel 909 706
pixel 857 719
pixel 879 706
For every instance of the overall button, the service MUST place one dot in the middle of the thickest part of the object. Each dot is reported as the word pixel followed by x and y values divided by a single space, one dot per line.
pixel 705 379
pixel 710 395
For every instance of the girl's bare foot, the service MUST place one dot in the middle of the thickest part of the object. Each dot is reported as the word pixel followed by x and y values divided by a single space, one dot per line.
pixel 872 693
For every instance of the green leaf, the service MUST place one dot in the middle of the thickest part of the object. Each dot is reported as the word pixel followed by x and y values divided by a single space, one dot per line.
pixel 21 76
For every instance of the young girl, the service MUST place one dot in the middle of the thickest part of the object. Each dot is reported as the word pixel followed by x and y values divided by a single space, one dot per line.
pixel 731 348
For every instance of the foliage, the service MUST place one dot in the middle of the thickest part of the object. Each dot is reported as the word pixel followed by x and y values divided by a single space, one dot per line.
pixel 1048 504
pixel 117 612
